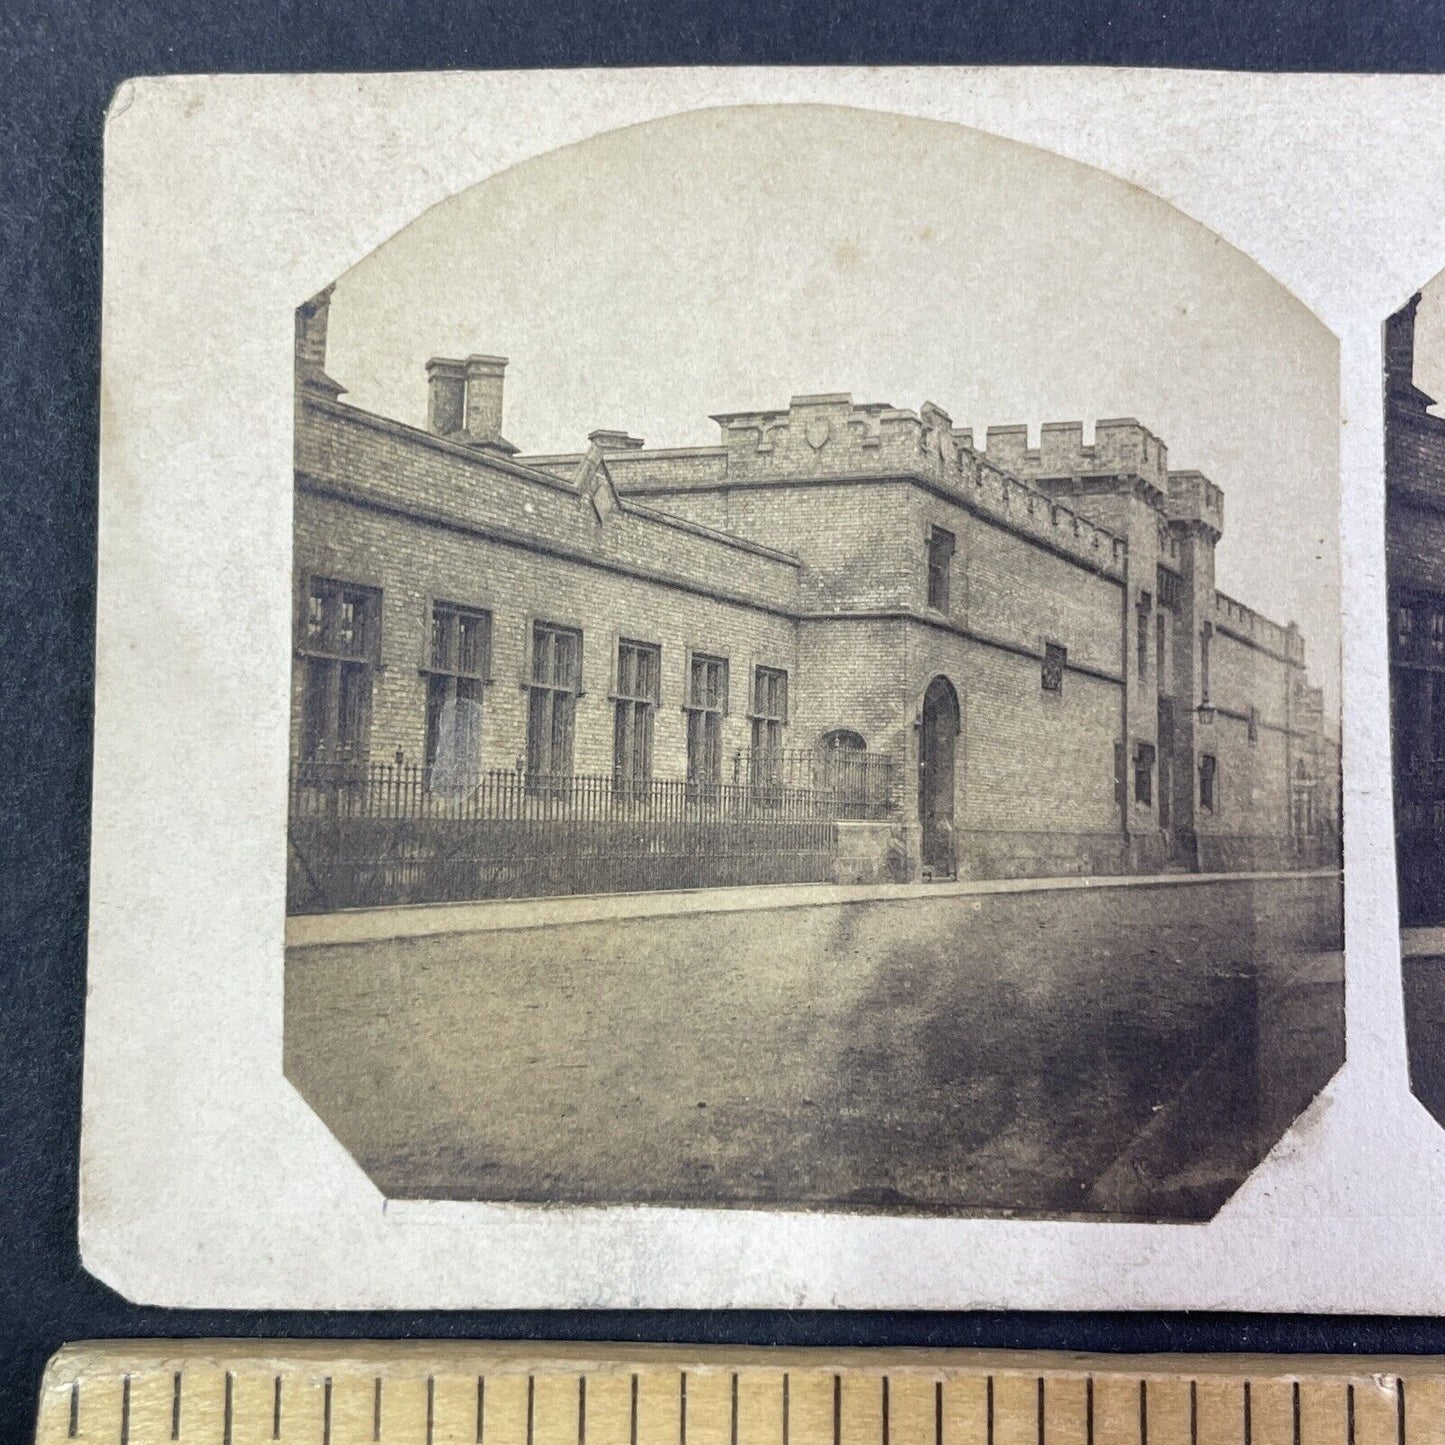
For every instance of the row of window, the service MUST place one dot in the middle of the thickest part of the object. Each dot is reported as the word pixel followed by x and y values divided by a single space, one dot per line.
pixel 1145 756
pixel 339 648
pixel 1420 620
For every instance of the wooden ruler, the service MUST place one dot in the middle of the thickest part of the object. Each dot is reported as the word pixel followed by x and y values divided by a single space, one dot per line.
pixel 411 1393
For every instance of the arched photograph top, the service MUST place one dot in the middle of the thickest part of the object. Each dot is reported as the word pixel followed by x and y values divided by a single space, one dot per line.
pixel 815 685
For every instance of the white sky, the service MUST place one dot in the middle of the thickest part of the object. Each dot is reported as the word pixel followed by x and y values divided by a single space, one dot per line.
pixel 726 260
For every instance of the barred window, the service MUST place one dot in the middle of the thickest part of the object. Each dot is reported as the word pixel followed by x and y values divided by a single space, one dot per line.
pixel 456 671
pixel 556 679
pixel 940 563
pixel 1208 775
pixel 1055 659
pixel 639 673
pixel 707 696
pixel 340 643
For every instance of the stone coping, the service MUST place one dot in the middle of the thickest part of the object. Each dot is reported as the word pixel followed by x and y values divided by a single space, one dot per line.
pixel 426 920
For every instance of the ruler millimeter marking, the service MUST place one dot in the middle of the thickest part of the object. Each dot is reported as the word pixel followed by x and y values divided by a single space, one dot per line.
pixel 309 1393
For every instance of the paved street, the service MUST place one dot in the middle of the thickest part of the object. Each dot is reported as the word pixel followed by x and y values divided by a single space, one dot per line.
pixel 1128 1052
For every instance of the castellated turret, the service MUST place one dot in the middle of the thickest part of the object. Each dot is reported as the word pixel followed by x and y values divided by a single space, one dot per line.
pixel 1194 501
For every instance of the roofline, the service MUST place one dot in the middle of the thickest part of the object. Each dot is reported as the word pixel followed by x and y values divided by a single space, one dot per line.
pixel 628 453
pixel 928 483
pixel 526 472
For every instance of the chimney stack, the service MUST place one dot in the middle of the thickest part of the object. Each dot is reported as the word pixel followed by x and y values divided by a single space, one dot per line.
pixel 614 441
pixel 311 321
pixel 1400 388
pixel 446 396
pixel 465 401
pixel 484 399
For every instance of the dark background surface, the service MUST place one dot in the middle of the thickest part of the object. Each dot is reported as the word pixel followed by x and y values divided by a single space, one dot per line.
pixel 59 63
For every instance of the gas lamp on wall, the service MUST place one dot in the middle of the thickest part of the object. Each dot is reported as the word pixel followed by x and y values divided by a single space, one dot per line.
pixel 1205 713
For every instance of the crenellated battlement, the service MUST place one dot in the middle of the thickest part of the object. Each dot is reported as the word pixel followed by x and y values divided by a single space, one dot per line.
pixel 830 435
pixel 1253 626
pixel 1121 447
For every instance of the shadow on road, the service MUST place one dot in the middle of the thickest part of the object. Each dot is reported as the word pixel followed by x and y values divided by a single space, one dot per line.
pixel 1116 1054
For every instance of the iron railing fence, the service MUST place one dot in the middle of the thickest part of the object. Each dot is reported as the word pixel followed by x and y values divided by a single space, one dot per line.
pixel 842 782
pixel 382 833
pixel 368 862
pixel 783 785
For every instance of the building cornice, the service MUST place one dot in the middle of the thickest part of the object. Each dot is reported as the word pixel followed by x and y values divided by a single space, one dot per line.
pixel 1247 641
pixel 1422 420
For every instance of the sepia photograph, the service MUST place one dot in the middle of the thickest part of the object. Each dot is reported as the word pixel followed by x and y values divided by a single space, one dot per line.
pixel 815 685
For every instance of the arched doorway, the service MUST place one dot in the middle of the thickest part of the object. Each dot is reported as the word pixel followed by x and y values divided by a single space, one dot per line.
pixel 937 743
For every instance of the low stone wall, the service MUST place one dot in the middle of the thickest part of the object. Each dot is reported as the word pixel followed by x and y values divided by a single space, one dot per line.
pixel 1043 855
pixel 1068 855
pixel 873 852
pixel 1246 853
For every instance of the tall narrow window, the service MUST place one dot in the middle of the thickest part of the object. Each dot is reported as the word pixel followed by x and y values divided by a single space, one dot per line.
pixel 1161 656
pixel 339 642
pixel 639 672
pixel 1413 694
pixel 1055 659
pixel 1252 725
pixel 769 717
pixel 1144 774
pixel 707 700
pixel 1206 636
pixel 456 672
pixel 1436 746
pixel 1208 774
pixel 1404 624
pixel 940 564
pixel 1143 608
pixel 556 680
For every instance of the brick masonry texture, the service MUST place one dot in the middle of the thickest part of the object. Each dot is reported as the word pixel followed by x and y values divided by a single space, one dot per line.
pixel 1415 564
pixel 801 542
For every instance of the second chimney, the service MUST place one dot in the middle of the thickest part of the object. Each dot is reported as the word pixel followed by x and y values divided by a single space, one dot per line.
pixel 484 399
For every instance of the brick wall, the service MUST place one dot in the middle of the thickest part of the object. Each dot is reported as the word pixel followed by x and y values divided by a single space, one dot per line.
pixel 1013 591
pixel 1252 786
pixel 1415 541
pixel 425 520
pixel 414 563
pixel 343 445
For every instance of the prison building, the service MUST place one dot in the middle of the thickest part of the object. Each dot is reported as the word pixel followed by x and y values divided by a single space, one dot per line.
pixel 1415 560
pixel 847 643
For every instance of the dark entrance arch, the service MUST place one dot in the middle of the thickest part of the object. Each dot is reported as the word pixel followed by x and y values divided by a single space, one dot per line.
pixel 937 744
